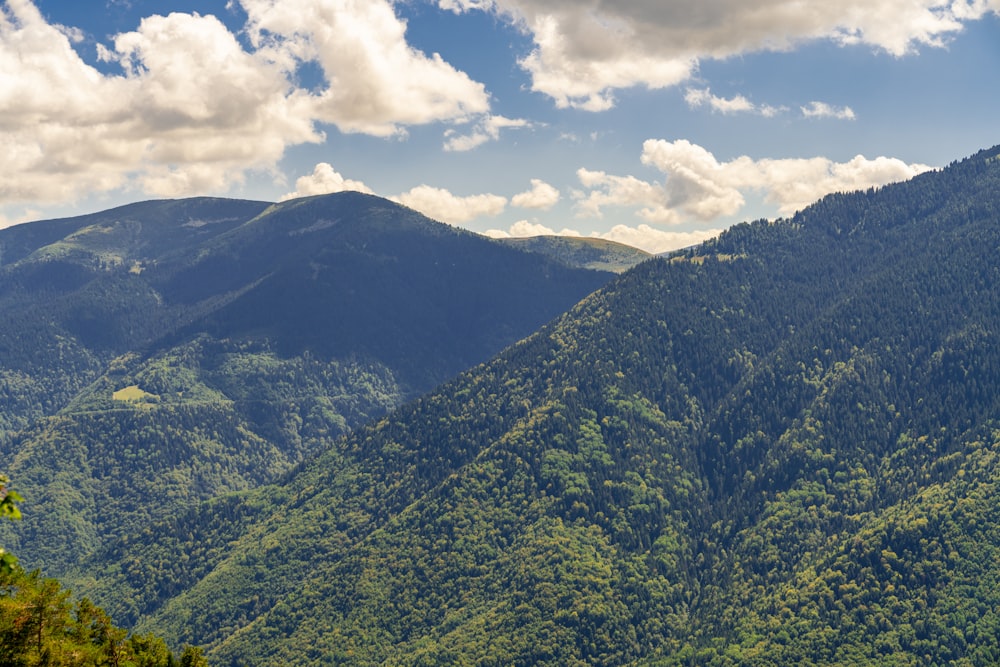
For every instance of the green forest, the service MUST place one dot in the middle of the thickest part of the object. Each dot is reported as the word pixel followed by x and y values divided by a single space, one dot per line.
pixel 171 352
pixel 39 625
pixel 778 447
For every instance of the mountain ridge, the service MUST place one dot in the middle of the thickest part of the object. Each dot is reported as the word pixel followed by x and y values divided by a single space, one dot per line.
pixel 164 362
pixel 583 252
pixel 777 447
pixel 721 457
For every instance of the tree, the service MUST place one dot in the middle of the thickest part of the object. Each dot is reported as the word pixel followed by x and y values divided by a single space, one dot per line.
pixel 9 510
pixel 40 625
pixel 192 657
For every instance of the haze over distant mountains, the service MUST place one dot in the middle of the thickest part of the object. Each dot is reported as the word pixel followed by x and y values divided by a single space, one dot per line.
pixel 779 447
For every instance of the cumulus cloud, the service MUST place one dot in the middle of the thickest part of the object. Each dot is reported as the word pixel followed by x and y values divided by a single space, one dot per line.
pixel 697 186
pixel 643 237
pixel 824 110
pixel 437 203
pixel 697 97
pixel 541 196
pixel 607 190
pixel 585 50
pixel 375 80
pixel 323 180
pixel 192 110
pixel 526 229
pixel 442 205
pixel 487 129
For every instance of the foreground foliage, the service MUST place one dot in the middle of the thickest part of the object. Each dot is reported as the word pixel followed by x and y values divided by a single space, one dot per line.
pixel 8 510
pixel 39 625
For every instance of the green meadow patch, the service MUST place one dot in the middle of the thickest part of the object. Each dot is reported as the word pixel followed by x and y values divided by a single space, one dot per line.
pixel 133 394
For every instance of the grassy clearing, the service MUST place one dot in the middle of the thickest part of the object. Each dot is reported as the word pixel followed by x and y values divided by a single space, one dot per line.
pixel 133 394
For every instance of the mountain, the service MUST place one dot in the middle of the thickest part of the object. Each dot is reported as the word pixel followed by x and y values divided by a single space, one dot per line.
pixel 73 295
pixel 780 447
pixel 164 353
pixel 581 252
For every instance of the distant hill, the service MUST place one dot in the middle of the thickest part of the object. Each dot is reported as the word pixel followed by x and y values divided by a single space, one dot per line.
pixel 163 353
pixel 581 252
pixel 780 447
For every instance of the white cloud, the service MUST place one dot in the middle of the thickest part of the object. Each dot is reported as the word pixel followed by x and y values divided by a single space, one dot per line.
pixel 526 229
pixel 697 186
pixel 442 205
pixel 793 184
pixel 192 110
pixel 643 237
pixel 654 240
pixel 541 196
pixel 697 97
pixel 324 180
pixel 488 128
pixel 607 190
pixel 824 110
pixel 585 50
pixel 74 35
pixel 376 80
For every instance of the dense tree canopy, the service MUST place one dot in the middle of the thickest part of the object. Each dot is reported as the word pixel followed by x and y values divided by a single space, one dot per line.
pixel 780 447
pixel 39 625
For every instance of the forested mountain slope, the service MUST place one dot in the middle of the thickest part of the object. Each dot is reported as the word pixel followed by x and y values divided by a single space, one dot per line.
pixel 777 448
pixel 73 295
pixel 167 352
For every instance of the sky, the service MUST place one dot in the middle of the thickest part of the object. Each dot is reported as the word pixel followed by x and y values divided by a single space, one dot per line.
pixel 656 123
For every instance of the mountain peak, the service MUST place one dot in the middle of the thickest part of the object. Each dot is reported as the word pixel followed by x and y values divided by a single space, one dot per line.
pixel 777 448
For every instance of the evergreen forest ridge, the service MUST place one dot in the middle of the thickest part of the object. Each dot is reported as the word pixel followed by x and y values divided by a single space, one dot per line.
pixel 778 447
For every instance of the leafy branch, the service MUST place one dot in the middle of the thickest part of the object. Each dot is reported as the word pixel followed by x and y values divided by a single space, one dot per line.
pixel 9 510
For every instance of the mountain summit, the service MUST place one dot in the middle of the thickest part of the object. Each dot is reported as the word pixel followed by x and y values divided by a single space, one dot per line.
pixel 162 353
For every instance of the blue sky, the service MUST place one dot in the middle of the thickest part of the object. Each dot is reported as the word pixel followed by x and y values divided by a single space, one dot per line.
pixel 651 122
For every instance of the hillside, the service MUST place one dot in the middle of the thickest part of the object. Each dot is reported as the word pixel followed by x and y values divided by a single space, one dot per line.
pixel 777 448
pixel 164 353
pixel 73 295
pixel 581 252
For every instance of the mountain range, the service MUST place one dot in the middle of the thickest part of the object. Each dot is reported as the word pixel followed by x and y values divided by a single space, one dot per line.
pixel 777 447
pixel 165 352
